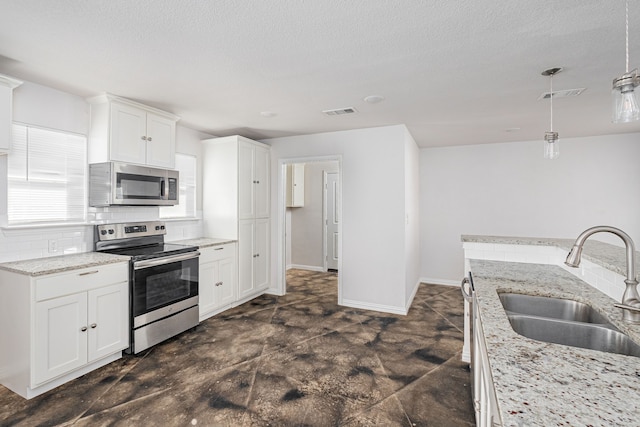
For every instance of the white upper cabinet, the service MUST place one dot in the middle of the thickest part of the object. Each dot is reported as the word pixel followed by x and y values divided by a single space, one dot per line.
pixel 7 84
pixel 125 131
pixel 295 185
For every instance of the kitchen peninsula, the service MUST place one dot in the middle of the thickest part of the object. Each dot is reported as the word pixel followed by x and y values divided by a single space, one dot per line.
pixel 538 383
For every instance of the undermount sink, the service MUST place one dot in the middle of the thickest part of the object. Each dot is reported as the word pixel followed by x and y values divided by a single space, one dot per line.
pixel 554 308
pixel 567 322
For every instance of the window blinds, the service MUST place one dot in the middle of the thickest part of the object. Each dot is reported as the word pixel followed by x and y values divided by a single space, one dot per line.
pixel 46 176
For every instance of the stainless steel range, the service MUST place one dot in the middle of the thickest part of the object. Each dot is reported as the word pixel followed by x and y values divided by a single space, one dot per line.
pixel 163 280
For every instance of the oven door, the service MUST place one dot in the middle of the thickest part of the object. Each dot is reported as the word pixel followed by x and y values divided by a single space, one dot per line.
pixel 161 286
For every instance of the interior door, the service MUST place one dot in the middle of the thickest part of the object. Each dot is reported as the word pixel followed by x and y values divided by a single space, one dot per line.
pixel 331 219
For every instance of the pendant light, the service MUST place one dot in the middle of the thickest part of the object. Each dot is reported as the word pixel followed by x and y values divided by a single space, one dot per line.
pixel 551 144
pixel 625 103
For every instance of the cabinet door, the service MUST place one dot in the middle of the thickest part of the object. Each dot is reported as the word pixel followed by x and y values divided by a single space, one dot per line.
pixel 226 284
pixel 208 276
pixel 261 260
pixel 108 320
pixel 127 129
pixel 246 181
pixel 60 344
pixel 261 182
pixel 246 252
pixel 161 141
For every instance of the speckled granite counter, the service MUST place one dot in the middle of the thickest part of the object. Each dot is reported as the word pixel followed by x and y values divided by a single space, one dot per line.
pixel 609 256
pixel 59 264
pixel 543 384
pixel 204 242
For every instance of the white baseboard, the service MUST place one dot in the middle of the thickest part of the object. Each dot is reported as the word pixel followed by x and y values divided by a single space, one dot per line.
pixel 435 281
pixel 374 307
pixel 305 267
pixel 413 295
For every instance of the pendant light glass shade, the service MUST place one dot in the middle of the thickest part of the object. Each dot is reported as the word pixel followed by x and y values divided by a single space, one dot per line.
pixel 551 145
pixel 625 103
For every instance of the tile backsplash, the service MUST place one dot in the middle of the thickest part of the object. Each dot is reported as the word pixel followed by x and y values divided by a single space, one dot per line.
pixel 40 242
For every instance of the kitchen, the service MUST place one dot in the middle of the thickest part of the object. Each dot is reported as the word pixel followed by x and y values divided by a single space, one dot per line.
pixel 437 194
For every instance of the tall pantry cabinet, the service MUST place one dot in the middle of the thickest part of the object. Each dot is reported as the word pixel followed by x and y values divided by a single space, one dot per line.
pixel 236 205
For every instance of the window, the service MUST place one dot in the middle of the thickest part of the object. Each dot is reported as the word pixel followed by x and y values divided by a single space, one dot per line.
pixel 46 176
pixel 186 208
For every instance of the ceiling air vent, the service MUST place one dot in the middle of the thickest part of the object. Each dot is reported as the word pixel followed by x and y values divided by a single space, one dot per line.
pixel 567 93
pixel 340 111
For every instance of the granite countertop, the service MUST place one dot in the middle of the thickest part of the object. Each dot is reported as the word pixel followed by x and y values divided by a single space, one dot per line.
pixel 58 264
pixel 543 384
pixel 204 242
pixel 606 255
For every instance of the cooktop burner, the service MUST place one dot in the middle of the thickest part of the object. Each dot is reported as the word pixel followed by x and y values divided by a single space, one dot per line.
pixel 139 240
pixel 153 251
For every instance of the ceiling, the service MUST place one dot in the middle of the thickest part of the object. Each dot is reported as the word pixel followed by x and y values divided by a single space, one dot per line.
pixel 454 72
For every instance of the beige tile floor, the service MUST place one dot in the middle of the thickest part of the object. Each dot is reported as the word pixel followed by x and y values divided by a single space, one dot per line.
pixel 296 360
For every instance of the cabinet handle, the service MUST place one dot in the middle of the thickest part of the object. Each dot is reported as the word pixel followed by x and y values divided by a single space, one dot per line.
pixel 144 138
pixel 83 329
pixel 219 284
pixel 257 182
pixel 93 325
pixel 218 249
pixel 86 273
pixel 149 138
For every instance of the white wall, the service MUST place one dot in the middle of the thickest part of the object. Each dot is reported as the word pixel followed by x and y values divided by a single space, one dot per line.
pixel 43 106
pixel 373 209
pixel 307 227
pixel 509 189
pixel 412 217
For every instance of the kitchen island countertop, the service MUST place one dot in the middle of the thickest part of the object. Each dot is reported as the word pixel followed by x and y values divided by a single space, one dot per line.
pixel 543 384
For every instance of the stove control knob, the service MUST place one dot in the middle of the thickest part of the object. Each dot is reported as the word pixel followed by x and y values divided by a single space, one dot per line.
pixel 111 231
pixel 162 227
pixel 103 232
pixel 157 227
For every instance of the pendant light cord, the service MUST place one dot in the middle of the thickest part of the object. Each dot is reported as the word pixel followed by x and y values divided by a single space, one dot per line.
pixel 551 98
pixel 626 12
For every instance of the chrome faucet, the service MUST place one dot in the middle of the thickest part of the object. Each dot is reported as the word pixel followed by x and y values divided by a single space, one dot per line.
pixel 630 300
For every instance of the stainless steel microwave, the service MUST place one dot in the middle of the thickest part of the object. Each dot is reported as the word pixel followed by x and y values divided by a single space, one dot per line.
pixel 113 183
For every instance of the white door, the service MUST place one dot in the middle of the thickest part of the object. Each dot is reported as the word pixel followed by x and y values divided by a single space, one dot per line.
pixel 246 181
pixel 60 336
pixel 261 178
pixel 108 320
pixel 226 290
pixel 128 128
pixel 331 219
pixel 261 259
pixel 161 142
pixel 246 252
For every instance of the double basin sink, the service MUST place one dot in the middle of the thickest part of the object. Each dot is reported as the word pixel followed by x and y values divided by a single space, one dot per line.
pixel 567 322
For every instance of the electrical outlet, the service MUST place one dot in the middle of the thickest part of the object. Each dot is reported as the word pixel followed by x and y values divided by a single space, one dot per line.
pixel 53 246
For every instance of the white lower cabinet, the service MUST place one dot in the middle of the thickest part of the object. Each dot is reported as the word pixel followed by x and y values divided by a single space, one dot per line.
pixel 484 397
pixel 74 330
pixel 253 257
pixel 63 325
pixel 217 279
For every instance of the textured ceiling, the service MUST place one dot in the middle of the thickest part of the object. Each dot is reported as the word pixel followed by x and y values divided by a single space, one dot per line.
pixel 455 72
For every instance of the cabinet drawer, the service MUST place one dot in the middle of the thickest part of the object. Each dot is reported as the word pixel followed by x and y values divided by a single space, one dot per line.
pixel 80 280
pixel 216 253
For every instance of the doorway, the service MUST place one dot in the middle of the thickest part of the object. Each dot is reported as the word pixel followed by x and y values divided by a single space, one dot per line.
pixel 331 220
pixel 303 228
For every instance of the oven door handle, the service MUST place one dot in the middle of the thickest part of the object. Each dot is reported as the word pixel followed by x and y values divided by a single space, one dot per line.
pixel 164 260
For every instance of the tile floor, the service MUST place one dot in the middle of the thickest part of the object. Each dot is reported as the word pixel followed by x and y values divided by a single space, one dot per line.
pixel 296 360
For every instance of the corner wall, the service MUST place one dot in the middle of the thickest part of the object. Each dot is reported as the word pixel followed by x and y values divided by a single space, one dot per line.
pixel 509 189
pixel 373 181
